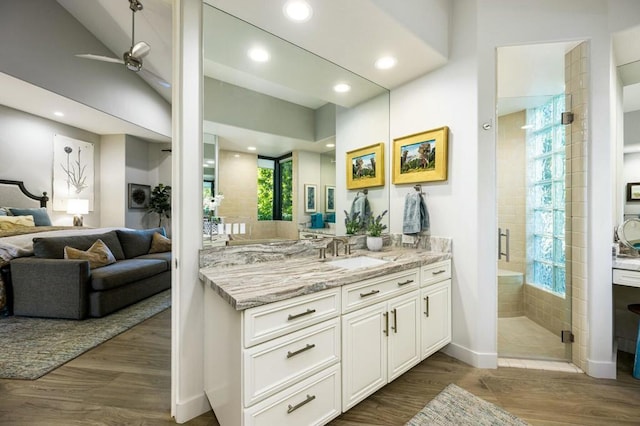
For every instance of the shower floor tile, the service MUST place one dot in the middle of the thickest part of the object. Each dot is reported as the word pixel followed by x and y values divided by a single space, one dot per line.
pixel 519 337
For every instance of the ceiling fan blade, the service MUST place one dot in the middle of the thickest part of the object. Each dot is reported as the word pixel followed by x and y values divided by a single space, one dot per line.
pixel 162 82
pixel 140 50
pixel 100 58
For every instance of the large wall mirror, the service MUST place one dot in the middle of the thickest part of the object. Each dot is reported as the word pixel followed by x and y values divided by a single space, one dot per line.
pixel 274 126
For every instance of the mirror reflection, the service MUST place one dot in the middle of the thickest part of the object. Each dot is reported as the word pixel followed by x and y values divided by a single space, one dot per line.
pixel 629 233
pixel 270 135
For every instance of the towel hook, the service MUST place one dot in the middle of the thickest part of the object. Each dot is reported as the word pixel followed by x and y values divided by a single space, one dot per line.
pixel 364 191
pixel 418 187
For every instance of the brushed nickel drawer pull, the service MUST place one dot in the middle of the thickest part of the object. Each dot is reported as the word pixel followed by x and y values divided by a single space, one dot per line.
pixel 405 282
pixel 293 408
pixel 441 271
pixel 395 321
pixel 371 293
pixel 309 311
pixel 386 323
pixel 426 299
pixel 299 351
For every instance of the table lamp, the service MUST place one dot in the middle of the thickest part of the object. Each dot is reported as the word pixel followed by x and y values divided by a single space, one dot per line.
pixel 77 207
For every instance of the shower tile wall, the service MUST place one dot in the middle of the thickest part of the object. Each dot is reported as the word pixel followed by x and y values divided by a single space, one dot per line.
pixel 577 84
pixel 512 191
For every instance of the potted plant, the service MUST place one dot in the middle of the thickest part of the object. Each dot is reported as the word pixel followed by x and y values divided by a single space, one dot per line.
pixel 352 222
pixel 374 232
pixel 160 202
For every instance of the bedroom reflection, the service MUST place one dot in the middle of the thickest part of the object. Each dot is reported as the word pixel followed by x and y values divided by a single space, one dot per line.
pixel 261 113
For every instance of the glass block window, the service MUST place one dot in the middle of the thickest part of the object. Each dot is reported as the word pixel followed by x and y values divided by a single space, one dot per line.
pixel 546 196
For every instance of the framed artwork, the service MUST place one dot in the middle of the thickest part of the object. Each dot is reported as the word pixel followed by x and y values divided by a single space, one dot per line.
pixel 310 191
pixel 421 157
pixel 330 198
pixel 633 191
pixel 139 196
pixel 73 171
pixel 365 167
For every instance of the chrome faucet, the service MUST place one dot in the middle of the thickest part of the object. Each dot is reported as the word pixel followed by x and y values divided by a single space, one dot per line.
pixel 336 244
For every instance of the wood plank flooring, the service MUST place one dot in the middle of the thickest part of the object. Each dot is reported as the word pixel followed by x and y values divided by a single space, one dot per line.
pixel 126 381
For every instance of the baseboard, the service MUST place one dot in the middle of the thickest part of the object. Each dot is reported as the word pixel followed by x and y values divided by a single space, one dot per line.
pixel 601 370
pixel 475 359
pixel 192 408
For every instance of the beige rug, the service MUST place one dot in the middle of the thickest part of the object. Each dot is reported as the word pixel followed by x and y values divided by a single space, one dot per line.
pixel 455 406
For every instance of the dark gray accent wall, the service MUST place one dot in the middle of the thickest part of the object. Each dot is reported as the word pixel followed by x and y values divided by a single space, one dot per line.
pixel 39 41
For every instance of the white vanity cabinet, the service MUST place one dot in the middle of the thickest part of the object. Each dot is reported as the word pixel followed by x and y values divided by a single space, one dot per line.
pixel 435 300
pixel 379 341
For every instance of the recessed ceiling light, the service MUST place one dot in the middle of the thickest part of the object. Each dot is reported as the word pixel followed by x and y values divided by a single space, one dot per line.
pixel 330 145
pixel 236 155
pixel 527 126
pixel 386 62
pixel 297 10
pixel 211 162
pixel 58 114
pixel 258 54
pixel 341 87
pixel 251 148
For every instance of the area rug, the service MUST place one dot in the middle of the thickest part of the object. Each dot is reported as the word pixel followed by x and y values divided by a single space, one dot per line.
pixel 455 406
pixel 32 347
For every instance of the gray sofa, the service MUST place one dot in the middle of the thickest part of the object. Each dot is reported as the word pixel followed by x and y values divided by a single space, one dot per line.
pixel 47 285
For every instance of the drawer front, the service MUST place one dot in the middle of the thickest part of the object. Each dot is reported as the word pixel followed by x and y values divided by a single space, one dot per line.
pixel 436 272
pixel 273 366
pixel 266 322
pixel 314 401
pixel 625 277
pixel 368 292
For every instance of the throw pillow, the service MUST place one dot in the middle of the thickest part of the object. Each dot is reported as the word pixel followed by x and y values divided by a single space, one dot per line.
pixel 159 243
pixel 9 223
pixel 40 215
pixel 98 254
pixel 3 211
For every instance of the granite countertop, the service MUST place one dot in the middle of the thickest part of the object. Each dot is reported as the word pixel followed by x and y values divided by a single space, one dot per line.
pixel 250 285
pixel 627 263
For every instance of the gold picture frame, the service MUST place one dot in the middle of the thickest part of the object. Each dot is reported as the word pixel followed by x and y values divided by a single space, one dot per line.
pixel 365 167
pixel 414 159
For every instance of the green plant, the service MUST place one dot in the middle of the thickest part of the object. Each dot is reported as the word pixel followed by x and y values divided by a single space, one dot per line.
pixel 160 202
pixel 375 226
pixel 352 222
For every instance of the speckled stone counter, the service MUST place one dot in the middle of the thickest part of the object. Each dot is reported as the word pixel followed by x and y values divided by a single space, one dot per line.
pixel 247 285
pixel 627 263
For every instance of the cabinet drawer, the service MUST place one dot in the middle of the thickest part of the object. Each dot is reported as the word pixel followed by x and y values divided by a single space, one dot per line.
pixel 265 322
pixel 436 272
pixel 277 364
pixel 368 292
pixel 314 401
pixel 625 277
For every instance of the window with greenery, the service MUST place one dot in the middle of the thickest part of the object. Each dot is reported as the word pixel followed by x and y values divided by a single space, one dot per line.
pixel 546 196
pixel 275 188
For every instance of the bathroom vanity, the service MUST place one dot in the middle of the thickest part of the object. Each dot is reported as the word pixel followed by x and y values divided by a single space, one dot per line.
pixel 300 341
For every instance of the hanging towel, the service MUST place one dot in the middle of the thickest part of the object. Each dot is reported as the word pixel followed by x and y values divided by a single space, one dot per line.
pixel 361 207
pixel 416 216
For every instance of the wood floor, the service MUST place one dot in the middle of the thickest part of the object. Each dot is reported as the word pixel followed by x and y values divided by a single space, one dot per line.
pixel 126 381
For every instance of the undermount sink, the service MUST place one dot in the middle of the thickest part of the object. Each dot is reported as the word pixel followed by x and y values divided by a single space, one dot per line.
pixel 356 262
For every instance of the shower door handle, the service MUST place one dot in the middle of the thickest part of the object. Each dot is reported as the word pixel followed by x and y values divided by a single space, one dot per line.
pixel 506 235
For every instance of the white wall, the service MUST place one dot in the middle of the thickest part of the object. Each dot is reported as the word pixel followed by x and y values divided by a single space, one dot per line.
pixel 27 155
pixel 308 169
pixel 113 180
pixel 631 173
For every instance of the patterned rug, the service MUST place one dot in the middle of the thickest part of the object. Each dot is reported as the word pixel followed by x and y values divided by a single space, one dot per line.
pixel 455 406
pixel 32 347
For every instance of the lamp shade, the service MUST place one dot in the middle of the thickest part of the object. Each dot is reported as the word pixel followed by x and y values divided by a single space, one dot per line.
pixel 77 206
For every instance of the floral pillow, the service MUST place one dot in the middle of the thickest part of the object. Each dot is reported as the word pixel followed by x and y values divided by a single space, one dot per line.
pixel 98 254
pixel 10 223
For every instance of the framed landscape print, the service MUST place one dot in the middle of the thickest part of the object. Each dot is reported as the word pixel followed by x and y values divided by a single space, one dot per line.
pixel 365 167
pixel 310 195
pixel 421 157
pixel 633 191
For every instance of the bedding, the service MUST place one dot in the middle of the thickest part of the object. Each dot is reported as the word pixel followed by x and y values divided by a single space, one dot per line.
pixel 40 215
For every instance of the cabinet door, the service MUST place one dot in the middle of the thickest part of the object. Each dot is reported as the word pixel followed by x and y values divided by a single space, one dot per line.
pixel 435 303
pixel 364 353
pixel 404 333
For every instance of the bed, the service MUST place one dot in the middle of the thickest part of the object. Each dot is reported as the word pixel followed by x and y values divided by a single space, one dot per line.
pixel 16 239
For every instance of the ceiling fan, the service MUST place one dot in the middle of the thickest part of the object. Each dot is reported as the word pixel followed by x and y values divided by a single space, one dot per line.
pixel 132 58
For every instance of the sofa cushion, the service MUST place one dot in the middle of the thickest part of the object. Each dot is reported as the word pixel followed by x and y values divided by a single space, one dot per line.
pixel 166 256
pixel 53 247
pixel 136 242
pixel 124 272
pixel 159 243
pixel 98 254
